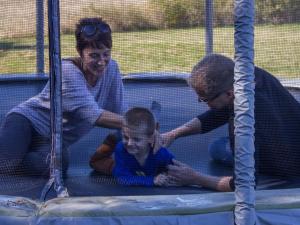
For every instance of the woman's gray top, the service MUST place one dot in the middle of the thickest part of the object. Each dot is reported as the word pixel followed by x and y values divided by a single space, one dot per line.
pixel 82 103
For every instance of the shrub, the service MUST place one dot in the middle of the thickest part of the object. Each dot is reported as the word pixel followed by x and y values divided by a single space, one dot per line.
pixel 276 12
pixel 183 13
pixel 127 17
pixel 180 13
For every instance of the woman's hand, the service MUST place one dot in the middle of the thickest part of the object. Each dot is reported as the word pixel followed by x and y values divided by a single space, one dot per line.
pixel 182 174
pixel 167 138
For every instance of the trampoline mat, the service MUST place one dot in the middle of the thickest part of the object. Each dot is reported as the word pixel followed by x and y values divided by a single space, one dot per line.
pixel 179 104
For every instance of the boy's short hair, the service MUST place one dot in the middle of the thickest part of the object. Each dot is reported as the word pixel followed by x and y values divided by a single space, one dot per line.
pixel 140 117
pixel 212 75
pixel 97 39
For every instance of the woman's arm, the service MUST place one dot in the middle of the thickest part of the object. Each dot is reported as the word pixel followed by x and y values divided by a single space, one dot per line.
pixel 109 120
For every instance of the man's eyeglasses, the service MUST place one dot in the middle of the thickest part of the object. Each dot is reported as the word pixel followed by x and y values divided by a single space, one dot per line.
pixel 91 29
pixel 202 99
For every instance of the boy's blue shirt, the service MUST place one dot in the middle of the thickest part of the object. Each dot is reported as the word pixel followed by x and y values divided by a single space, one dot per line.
pixel 128 171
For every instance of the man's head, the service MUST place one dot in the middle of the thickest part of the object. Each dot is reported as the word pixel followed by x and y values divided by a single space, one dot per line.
pixel 212 79
pixel 138 130
pixel 93 43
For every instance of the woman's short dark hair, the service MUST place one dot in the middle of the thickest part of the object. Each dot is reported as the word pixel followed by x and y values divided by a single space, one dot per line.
pixel 97 39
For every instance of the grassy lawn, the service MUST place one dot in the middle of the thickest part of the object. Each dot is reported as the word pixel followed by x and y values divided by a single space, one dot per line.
pixel 277 49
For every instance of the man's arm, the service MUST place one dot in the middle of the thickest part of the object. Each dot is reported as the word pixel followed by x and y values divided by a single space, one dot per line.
pixel 189 128
pixel 109 120
pixel 183 174
pixel 212 182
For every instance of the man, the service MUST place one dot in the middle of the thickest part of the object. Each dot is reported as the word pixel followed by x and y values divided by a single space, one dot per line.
pixel 277 116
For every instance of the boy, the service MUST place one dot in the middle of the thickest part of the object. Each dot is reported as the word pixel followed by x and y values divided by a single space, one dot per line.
pixel 135 163
pixel 102 160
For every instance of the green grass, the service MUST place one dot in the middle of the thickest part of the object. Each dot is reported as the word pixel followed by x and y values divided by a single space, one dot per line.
pixel 277 49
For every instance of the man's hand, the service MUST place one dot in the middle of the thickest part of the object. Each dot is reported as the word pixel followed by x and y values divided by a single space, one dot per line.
pixel 182 174
pixel 167 138
pixel 164 179
pixel 160 179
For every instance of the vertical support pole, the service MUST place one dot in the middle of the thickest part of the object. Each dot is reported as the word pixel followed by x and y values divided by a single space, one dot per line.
pixel 244 112
pixel 208 27
pixel 40 65
pixel 55 97
pixel 55 75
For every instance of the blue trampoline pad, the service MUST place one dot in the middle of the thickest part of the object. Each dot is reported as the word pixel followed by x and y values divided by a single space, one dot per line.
pixel 179 104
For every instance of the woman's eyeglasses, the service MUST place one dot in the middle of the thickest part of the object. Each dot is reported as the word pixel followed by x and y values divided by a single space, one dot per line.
pixel 91 29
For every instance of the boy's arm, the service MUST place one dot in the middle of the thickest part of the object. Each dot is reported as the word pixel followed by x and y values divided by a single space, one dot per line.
pixel 124 176
pixel 129 179
pixel 165 158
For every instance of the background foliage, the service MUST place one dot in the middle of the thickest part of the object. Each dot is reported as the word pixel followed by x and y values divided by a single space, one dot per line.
pixel 17 18
pixel 146 34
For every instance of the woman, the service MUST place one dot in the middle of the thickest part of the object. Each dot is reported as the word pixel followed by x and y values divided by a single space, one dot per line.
pixel 92 95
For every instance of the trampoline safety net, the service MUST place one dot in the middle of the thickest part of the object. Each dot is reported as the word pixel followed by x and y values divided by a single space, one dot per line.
pixel 147 111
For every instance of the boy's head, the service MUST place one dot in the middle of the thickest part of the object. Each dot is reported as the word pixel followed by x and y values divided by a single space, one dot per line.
pixel 138 130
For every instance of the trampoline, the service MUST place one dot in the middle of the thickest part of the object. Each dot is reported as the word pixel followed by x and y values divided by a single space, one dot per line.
pixel 176 99
pixel 179 104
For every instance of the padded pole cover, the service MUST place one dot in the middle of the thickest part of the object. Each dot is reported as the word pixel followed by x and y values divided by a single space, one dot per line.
pixel 55 102
pixel 244 112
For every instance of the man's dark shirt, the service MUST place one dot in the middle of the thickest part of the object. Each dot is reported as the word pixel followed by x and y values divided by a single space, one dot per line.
pixel 277 127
